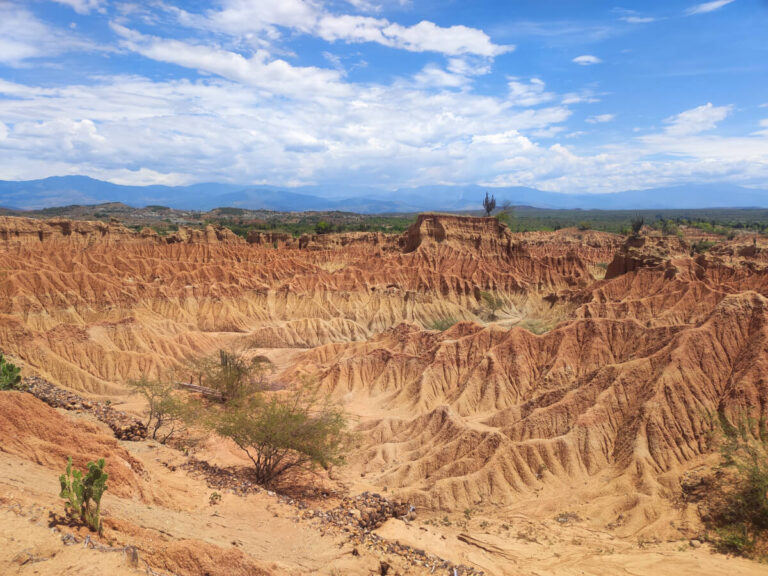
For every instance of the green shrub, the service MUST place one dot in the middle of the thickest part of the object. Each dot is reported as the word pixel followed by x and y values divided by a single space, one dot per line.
pixel 536 326
pixel 83 494
pixel 323 227
pixel 168 412
pixel 230 374
pixel 441 324
pixel 739 499
pixel 701 246
pixel 493 302
pixel 10 375
pixel 285 430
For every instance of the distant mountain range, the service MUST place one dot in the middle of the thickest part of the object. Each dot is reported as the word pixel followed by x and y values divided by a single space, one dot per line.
pixel 68 190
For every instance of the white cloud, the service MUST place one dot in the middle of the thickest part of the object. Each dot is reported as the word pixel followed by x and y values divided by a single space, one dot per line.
pixel 638 19
pixel 707 7
pixel 245 18
pixel 24 37
pixel 587 60
pixel 225 130
pixel 585 97
pixel 697 120
pixel 764 128
pixel 134 130
pixel 275 76
pixel 434 76
pixel 528 94
pixel 84 6
pixel 600 118
pixel 253 117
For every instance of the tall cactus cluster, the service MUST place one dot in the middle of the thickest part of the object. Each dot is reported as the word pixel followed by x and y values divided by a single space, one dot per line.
pixel 83 494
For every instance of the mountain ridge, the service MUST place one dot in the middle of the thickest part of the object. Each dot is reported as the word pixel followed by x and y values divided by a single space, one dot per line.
pixel 68 190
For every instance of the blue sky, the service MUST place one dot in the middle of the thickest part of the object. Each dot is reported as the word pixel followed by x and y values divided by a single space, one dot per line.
pixel 565 96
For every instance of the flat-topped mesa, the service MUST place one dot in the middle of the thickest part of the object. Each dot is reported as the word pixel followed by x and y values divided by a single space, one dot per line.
pixel 15 231
pixel 461 232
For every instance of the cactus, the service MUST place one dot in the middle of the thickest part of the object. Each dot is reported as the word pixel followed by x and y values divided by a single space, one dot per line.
pixel 83 494
pixel 10 375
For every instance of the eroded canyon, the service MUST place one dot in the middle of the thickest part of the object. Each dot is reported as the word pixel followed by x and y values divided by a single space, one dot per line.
pixel 536 397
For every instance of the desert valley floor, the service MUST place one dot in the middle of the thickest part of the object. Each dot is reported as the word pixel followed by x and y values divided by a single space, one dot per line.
pixel 553 435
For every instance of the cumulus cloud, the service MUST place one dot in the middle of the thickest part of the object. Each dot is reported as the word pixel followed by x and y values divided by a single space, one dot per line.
pixel 697 120
pixel 434 76
pixel 221 129
pixel 707 7
pixel 586 60
pixel 236 108
pixel 275 76
pixel 530 93
pixel 244 17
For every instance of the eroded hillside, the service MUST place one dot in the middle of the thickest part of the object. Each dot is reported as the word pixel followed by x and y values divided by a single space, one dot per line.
pixel 489 375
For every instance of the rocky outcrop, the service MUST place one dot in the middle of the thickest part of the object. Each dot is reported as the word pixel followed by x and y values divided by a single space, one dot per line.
pixel 33 430
pixel 486 235
pixel 18 232
pixel 598 387
pixel 91 314
pixel 644 252
pixel 125 427
pixel 22 231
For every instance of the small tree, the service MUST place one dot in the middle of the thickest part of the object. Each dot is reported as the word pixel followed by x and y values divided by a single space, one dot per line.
pixel 10 375
pixel 489 204
pixel 230 374
pixel 297 429
pixel 323 227
pixel 83 494
pixel 167 413
pixel 493 302
pixel 637 224
pixel 669 228
pixel 507 214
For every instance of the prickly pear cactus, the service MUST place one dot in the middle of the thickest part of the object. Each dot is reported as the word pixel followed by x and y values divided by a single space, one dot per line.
pixel 83 494
pixel 10 375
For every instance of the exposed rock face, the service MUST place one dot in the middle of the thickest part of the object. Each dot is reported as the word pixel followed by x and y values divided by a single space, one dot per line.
pixel 613 396
pixel 35 431
pixel 103 305
pixel 644 252
pixel 473 234
pixel 125 427
pixel 16 232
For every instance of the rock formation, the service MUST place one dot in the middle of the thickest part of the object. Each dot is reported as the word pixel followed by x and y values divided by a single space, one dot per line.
pixel 600 372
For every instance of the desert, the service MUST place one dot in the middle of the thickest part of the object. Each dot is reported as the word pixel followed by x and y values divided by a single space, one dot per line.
pixel 566 427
